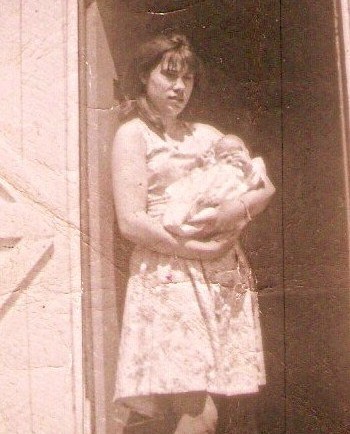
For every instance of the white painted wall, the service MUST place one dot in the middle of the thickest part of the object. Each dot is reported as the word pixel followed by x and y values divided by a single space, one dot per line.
pixel 40 279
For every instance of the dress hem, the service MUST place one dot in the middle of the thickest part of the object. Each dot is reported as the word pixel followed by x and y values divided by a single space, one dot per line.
pixel 215 391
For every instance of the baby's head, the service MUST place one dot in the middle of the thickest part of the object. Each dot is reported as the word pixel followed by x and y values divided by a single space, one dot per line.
pixel 229 147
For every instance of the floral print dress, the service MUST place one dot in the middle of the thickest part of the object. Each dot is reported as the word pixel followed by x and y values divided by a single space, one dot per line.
pixel 188 325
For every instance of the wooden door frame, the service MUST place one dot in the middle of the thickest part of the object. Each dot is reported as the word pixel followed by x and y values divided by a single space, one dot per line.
pixel 96 407
pixel 342 31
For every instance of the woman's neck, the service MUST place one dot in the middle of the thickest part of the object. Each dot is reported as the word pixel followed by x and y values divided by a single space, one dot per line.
pixel 170 124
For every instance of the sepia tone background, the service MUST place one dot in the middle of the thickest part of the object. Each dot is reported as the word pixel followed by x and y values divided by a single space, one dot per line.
pixel 274 81
pixel 278 78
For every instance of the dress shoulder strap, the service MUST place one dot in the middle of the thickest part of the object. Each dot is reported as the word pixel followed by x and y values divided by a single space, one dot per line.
pixel 154 142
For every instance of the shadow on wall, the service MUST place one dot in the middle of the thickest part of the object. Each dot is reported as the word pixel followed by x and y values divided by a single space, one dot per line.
pixel 24 246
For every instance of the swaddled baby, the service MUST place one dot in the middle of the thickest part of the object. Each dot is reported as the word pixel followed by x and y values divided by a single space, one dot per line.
pixel 224 173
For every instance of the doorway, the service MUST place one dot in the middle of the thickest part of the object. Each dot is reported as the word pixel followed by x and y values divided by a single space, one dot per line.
pixel 273 80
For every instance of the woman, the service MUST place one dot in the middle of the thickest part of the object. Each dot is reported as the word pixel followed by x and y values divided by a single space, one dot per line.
pixel 190 326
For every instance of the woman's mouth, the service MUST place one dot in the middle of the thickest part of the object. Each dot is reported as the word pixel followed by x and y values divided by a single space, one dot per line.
pixel 178 99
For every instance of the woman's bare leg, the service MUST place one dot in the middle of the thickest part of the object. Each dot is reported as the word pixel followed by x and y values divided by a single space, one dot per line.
pixel 195 413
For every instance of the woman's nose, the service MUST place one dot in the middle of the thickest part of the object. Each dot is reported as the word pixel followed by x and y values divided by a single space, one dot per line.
pixel 179 84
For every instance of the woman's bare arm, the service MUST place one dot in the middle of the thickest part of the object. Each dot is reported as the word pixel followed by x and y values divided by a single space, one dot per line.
pixel 129 171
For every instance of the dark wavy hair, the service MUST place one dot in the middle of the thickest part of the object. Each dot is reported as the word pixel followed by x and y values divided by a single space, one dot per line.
pixel 175 53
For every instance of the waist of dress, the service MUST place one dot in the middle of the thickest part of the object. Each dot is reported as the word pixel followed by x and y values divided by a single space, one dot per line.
pixel 155 268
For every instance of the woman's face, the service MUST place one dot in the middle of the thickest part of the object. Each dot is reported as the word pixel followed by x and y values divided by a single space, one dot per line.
pixel 169 91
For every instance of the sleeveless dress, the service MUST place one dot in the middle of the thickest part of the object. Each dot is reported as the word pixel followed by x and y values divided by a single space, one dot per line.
pixel 188 325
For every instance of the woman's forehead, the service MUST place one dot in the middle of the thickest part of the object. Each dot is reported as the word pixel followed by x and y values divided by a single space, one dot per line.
pixel 175 61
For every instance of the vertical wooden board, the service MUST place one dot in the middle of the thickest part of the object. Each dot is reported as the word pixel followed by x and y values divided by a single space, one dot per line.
pixel 314 221
pixel 15 418
pixel 108 265
pixel 14 330
pixel 40 273
pixel 44 78
pixel 100 68
pixel 15 378
pixel 10 72
pixel 57 388
pixel 104 255
pixel 263 239
pixel 37 314
pixel 317 361
pixel 314 191
pixel 54 336
pixel 271 408
pixel 49 338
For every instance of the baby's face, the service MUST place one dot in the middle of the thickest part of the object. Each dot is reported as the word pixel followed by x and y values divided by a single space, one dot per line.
pixel 229 148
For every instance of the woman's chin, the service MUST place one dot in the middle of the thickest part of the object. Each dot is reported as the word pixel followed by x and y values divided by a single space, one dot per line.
pixel 175 108
pixel 174 111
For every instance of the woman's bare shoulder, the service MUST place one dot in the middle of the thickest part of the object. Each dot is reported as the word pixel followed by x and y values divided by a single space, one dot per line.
pixel 129 137
pixel 130 128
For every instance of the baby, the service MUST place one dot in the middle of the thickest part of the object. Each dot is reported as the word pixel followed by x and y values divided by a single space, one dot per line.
pixel 224 173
